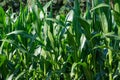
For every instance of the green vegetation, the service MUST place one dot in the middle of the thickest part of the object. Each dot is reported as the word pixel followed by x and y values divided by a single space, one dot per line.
pixel 83 44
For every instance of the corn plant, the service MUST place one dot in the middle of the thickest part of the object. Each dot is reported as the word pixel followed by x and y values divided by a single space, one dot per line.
pixel 80 45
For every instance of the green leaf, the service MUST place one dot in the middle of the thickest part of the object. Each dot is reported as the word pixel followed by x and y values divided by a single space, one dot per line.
pixel 100 6
pixel 2 59
pixel 72 69
pixel 85 68
pixel 86 27
pixel 50 36
pixel 2 15
pixel 82 41
pixel 56 21
pixel 20 75
pixel 116 17
pixel 15 32
pixel 47 5
pixel 104 23
pixel 71 40
pixel 112 36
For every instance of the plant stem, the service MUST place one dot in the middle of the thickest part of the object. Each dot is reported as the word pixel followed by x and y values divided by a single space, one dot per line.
pixel 110 60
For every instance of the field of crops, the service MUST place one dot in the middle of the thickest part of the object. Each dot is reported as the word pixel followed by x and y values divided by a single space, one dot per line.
pixel 80 44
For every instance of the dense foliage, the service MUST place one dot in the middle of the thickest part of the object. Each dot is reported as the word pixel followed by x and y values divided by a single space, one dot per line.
pixel 82 44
